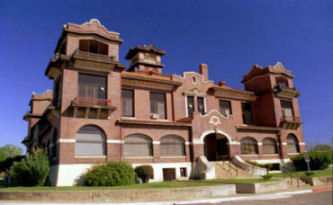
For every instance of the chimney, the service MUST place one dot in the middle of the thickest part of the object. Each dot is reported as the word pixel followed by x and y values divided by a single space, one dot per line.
pixel 203 70
pixel 222 83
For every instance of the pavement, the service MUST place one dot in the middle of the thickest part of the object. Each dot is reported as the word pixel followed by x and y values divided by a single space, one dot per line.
pixel 317 196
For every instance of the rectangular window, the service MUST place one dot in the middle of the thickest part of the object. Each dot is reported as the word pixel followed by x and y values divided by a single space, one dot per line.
pixel 225 107
pixel 183 172
pixel 190 106
pixel 201 105
pixel 92 86
pixel 57 93
pixel 247 114
pixel 127 103
pixel 287 108
pixel 157 105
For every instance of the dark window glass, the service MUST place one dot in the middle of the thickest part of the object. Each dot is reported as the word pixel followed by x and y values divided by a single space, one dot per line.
pixel 201 105
pixel 57 93
pixel 92 86
pixel 225 107
pixel 93 46
pixel 247 114
pixel 249 146
pixel 190 105
pixel 287 108
pixel 157 105
pixel 128 103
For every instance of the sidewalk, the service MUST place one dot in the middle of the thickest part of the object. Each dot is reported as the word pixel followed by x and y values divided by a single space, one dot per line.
pixel 238 197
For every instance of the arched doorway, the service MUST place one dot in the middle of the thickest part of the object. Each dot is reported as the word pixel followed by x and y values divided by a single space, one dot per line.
pixel 216 147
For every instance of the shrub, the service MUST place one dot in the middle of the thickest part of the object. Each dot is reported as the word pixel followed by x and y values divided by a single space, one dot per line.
pixel 6 164
pixel 318 161
pixel 267 177
pixel 144 172
pixel 109 174
pixel 309 174
pixel 31 171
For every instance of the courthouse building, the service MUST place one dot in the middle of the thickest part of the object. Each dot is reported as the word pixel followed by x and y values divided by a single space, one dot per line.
pixel 101 110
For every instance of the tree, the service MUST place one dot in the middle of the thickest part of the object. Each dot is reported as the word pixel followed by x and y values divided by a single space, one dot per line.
pixel 9 151
pixel 323 147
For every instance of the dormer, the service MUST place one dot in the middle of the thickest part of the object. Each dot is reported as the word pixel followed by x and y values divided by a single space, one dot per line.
pixel 145 59
pixel 90 38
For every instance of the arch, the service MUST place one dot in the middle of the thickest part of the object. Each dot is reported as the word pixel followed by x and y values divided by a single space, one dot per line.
pixel 172 145
pixel 138 145
pixel 215 131
pixel 292 144
pixel 90 140
pixel 281 81
pixel 269 146
pixel 249 145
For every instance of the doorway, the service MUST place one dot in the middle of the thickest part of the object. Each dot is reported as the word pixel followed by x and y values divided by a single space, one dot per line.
pixel 216 147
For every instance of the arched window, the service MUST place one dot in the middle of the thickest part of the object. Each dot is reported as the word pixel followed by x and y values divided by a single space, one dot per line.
pixel 249 146
pixel 269 146
pixel 138 145
pixel 93 46
pixel 172 146
pixel 90 141
pixel 292 144
pixel 281 81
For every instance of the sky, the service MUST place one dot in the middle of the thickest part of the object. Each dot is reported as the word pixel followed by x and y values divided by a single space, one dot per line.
pixel 228 35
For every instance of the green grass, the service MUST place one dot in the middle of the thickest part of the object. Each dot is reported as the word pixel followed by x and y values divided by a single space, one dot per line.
pixel 241 180
pixel 319 173
pixel 156 185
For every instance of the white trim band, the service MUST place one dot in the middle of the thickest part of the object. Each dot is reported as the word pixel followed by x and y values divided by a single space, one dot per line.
pixel 66 140
pixel 114 141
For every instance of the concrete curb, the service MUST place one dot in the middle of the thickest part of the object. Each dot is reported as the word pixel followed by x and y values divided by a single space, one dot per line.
pixel 270 196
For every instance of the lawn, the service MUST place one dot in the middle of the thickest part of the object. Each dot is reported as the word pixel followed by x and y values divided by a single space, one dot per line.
pixel 319 173
pixel 259 180
pixel 155 185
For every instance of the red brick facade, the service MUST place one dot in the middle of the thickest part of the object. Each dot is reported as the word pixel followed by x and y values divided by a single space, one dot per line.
pixel 262 92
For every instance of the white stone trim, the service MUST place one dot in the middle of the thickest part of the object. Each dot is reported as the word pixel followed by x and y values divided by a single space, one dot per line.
pixel 197 141
pixel 214 110
pixel 62 140
pixel 114 141
pixel 302 143
pixel 187 143
pixel 156 142
pixel 259 143
pixel 207 132
pixel 284 143
pixel 265 161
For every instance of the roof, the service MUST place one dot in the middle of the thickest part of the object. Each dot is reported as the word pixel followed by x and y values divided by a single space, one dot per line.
pixel 148 49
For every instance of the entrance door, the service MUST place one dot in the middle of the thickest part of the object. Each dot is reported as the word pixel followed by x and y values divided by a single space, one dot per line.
pixel 210 147
pixel 169 174
pixel 222 149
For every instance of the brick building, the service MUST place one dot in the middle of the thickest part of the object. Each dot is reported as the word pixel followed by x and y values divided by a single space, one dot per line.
pixel 100 111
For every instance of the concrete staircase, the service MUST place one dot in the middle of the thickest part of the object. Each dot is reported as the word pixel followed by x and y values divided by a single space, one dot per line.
pixel 227 170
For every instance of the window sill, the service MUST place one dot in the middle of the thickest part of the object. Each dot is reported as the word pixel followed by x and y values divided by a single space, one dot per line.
pixel 90 157
pixel 295 153
pixel 250 155
pixel 277 154
pixel 125 118
pixel 168 157
pixel 139 157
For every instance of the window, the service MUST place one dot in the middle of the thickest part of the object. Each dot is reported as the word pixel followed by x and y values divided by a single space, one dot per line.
pixel 54 142
pixel 292 144
pixel 287 108
pixel 249 146
pixel 137 145
pixel 225 107
pixel 269 146
pixel 92 86
pixel 190 106
pixel 157 105
pixel 172 146
pixel 90 141
pixel 201 105
pixel 57 93
pixel 183 172
pixel 247 113
pixel 281 82
pixel 127 103
pixel 93 46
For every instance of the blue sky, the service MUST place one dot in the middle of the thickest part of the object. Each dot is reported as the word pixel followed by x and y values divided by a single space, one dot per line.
pixel 229 35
